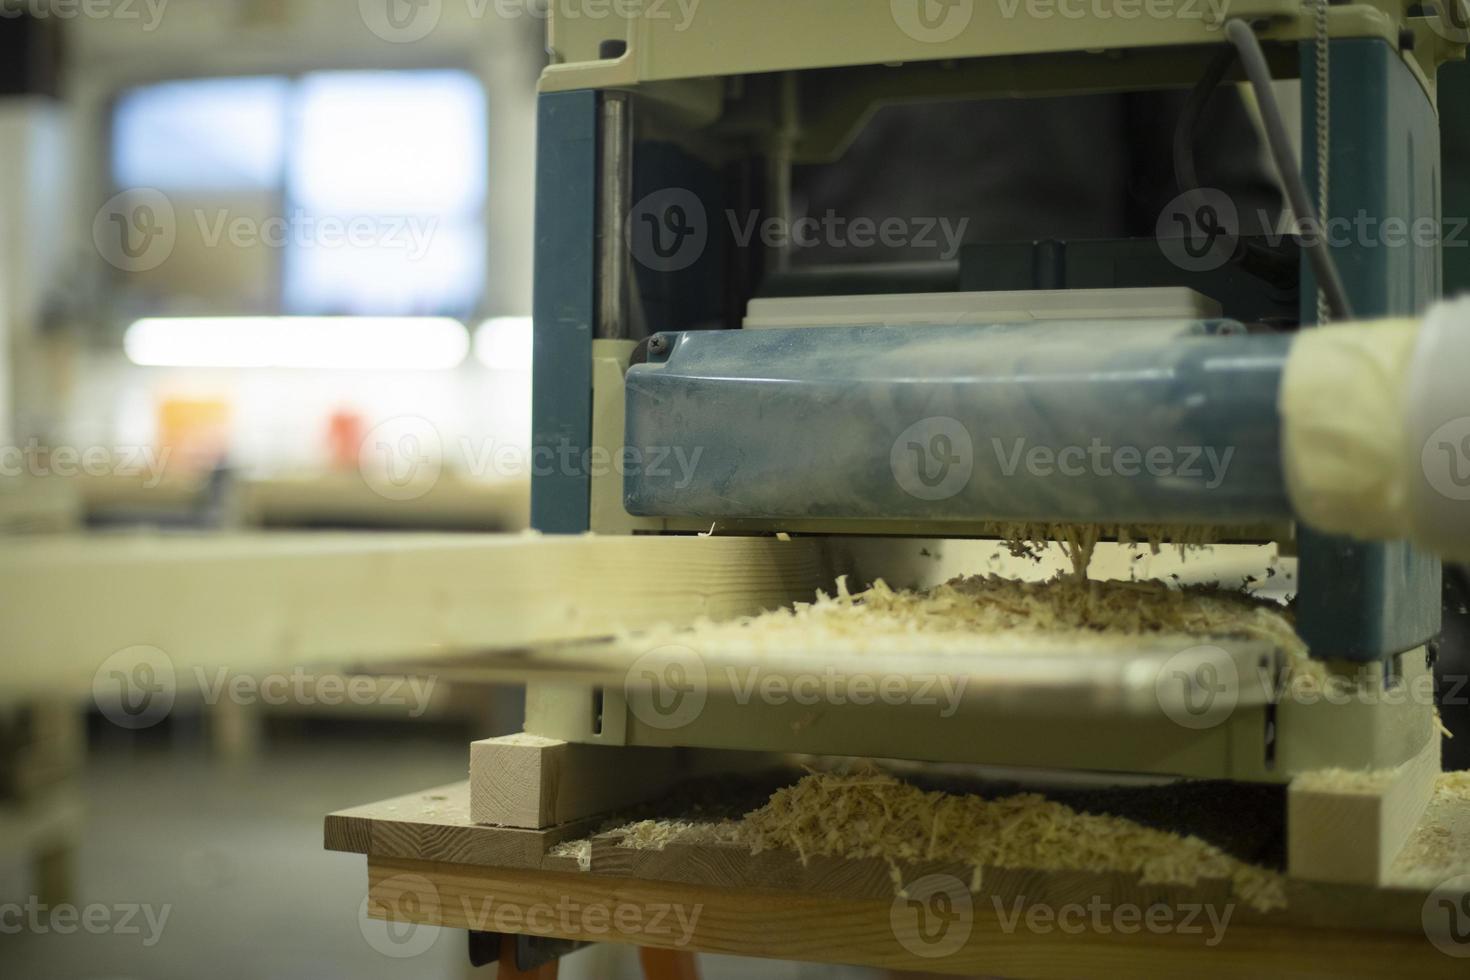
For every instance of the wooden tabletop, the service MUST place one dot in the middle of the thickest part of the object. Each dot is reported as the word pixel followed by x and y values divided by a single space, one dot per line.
pixel 428 864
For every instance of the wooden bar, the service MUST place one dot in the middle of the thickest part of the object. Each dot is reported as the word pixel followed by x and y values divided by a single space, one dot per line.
pixel 275 601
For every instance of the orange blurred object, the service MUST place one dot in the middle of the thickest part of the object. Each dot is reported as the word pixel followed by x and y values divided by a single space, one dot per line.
pixel 195 431
pixel 345 433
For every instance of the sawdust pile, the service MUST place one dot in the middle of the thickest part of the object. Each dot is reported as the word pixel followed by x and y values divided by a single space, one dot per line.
pixel 1453 786
pixel 872 814
pixel 969 616
pixel 991 603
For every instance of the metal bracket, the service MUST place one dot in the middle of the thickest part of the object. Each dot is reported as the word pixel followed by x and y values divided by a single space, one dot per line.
pixel 532 952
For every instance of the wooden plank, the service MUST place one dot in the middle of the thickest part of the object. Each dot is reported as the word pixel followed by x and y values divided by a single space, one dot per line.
pixel 435 826
pixel 980 938
pixel 258 603
pixel 430 826
pixel 533 783
pixel 1351 831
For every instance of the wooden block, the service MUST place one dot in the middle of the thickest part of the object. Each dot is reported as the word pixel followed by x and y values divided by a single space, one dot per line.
pixel 1349 828
pixel 531 782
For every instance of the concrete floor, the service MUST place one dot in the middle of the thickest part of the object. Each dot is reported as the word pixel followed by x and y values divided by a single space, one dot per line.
pixel 232 854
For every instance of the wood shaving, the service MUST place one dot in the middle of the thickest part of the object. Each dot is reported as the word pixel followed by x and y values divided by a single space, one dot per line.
pixel 870 814
pixel 1065 611
pixel 655 835
pixel 1440 847
pixel 1079 541
pixel 581 850
pixel 1453 787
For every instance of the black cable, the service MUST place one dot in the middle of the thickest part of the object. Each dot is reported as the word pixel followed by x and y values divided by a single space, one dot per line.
pixel 1188 126
pixel 1253 59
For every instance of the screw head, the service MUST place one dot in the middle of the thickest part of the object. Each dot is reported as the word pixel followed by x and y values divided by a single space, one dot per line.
pixel 658 346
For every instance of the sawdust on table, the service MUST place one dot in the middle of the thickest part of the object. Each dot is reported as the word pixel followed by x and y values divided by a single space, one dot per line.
pixel 968 615
pixel 872 814
pixel 1440 847
pixel 578 850
pixel 1453 786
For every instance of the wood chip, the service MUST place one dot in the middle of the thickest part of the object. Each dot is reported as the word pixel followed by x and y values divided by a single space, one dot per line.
pixel 871 814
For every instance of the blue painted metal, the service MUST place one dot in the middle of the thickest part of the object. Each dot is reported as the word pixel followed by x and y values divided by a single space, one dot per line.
pixel 1454 131
pixel 564 307
pixel 1369 601
pixel 1081 422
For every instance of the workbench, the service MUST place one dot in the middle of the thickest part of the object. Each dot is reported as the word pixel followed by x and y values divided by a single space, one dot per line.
pixel 427 864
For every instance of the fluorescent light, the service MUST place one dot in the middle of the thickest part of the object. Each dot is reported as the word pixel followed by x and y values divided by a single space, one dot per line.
pixel 353 343
pixel 504 343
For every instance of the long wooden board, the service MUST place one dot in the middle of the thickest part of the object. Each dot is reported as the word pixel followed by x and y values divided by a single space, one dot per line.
pixel 433 829
pixel 986 940
pixel 430 825
pixel 276 601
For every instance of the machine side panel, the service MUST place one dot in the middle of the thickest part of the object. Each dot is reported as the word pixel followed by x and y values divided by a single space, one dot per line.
pixel 1368 601
pixel 1086 422
pixel 565 298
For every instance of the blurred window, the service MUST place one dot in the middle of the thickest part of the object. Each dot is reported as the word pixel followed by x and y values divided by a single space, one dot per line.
pixel 331 193
pixel 217 133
